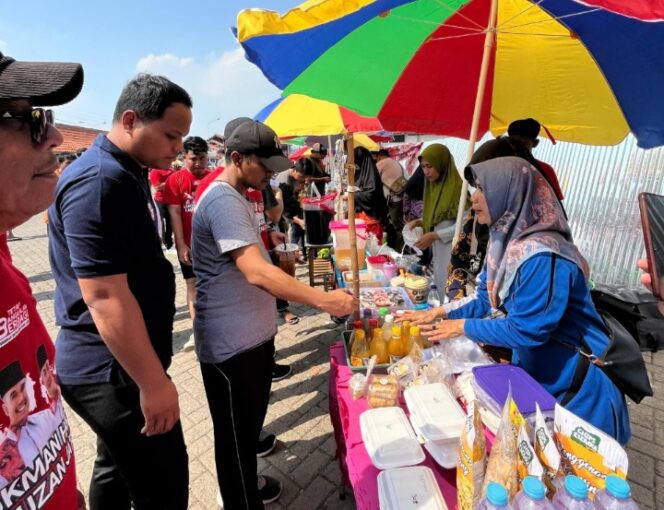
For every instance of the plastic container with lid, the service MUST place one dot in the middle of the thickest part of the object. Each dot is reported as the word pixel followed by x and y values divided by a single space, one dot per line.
pixel 573 495
pixel 341 243
pixel 376 262
pixel 444 453
pixel 532 496
pixel 409 488
pixel 496 498
pixel 368 278
pixel 617 495
pixel 389 438
pixel 418 289
pixel 438 413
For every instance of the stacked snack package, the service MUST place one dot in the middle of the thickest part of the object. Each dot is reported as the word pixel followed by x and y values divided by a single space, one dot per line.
pixel 503 461
pixel 586 451
pixel 472 460
pixel 547 452
pixel 529 464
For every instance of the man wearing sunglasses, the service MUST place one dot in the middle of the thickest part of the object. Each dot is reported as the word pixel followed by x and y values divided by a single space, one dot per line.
pixel 115 301
pixel 27 185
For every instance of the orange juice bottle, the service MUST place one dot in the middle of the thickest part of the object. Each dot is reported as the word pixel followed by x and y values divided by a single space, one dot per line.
pixel 405 337
pixel 394 346
pixel 415 337
pixel 359 350
pixel 379 347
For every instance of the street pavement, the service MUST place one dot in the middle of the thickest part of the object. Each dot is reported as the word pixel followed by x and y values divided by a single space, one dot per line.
pixel 298 413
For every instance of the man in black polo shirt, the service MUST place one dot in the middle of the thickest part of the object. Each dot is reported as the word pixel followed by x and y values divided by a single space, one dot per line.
pixel 115 298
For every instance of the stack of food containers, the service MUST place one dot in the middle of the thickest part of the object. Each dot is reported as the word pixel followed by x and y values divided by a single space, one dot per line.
pixel 438 418
pixel 393 446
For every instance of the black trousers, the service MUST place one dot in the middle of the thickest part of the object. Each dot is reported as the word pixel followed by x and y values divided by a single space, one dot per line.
pixel 238 391
pixel 166 229
pixel 152 473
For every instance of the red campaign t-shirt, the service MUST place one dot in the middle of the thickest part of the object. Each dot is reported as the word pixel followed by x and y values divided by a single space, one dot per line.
pixel 550 175
pixel 37 468
pixel 255 197
pixel 158 176
pixel 206 181
pixel 180 190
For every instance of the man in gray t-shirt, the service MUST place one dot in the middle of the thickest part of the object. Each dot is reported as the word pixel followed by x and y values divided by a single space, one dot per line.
pixel 235 319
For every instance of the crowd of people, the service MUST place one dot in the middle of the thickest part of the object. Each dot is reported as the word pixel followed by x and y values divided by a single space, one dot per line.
pixel 115 288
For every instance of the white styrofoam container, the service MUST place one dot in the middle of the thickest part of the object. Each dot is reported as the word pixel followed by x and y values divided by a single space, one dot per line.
pixel 438 413
pixel 389 438
pixel 445 453
pixel 409 488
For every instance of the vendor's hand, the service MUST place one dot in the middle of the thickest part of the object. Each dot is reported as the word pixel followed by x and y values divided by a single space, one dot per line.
pixel 277 238
pixel 426 240
pixel 646 279
pixel 418 318
pixel 308 180
pixel 184 255
pixel 443 330
pixel 327 179
pixel 414 223
pixel 339 303
pixel 299 222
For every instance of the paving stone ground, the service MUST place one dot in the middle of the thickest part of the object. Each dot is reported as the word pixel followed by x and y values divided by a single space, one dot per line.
pixel 298 412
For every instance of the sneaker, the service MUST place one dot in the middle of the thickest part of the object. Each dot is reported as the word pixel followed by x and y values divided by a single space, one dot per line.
pixel 280 372
pixel 269 489
pixel 266 443
pixel 190 345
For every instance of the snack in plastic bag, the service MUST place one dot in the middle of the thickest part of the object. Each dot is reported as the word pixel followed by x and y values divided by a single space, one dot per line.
pixel 502 465
pixel 529 464
pixel 547 451
pixel 404 370
pixel 383 391
pixel 472 460
pixel 586 451
pixel 357 386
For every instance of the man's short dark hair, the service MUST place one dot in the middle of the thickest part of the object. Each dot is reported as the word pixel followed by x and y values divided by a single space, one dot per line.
pixel 383 152
pixel 149 95
pixel 195 144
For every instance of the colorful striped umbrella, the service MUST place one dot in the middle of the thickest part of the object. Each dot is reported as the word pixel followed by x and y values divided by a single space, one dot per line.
pixel 590 71
pixel 299 115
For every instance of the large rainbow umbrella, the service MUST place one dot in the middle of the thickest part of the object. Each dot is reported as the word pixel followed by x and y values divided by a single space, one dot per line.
pixel 299 115
pixel 590 71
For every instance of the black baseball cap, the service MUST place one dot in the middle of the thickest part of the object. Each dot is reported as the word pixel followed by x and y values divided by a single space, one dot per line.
pixel 232 124
pixel 254 137
pixel 42 83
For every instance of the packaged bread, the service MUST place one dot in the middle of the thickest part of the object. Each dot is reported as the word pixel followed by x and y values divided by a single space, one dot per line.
pixel 503 461
pixel 547 451
pixel 472 460
pixel 383 391
pixel 586 451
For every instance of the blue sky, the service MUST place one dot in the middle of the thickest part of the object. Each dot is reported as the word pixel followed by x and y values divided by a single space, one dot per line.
pixel 188 41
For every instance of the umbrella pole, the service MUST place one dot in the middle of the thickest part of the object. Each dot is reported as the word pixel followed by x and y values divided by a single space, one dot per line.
pixel 350 162
pixel 489 42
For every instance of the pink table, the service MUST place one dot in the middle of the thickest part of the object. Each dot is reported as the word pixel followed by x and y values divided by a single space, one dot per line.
pixel 354 462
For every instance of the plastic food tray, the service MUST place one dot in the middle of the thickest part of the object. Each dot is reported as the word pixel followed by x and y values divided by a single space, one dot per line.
pixel 389 438
pixel 439 415
pixel 378 369
pixel 445 453
pixel 412 488
pixel 406 303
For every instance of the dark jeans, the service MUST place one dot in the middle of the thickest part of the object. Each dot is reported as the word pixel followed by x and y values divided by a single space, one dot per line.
pixel 297 237
pixel 166 230
pixel 238 391
pixel 152 473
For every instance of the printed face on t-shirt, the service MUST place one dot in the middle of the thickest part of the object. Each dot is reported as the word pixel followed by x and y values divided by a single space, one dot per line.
pixel 15 403
pixel 11 462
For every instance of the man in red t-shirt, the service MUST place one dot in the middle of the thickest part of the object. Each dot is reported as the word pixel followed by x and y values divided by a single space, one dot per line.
pixel 158 177
pixel 38 469
pixel 179 193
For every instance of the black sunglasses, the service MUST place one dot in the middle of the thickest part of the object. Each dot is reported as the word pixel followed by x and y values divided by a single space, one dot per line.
pixel 38 118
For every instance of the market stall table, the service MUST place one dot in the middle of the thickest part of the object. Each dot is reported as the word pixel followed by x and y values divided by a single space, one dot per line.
pixel 356 468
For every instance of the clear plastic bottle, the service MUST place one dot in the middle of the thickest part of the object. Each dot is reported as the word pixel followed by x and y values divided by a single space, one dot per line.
pixel 379 347
pixel 415 337
pixel 387 327
pixel 434 300
pixel 394 346
pixel 359 350
pixel 532 496
pixel 382 313
pixel 617 495
pixel 496 498
pixel 373 324
pixel 573 495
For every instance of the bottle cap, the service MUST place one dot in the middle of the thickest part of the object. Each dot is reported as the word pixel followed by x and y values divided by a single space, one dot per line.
pixel 358 325
pixel 396 330
pixel 533 488
pixel 617 487
pixel 389 318
pixel 415 330
pixel 496 494
pixel 366 313
pixel 383 311
pixel 400 313
pixel 373 323
pixel 576 487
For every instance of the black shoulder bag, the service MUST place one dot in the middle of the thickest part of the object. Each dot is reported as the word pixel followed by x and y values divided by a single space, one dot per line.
pixel 621 361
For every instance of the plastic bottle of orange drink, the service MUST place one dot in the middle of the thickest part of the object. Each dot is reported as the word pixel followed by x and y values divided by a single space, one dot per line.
pixel 395 346
pixel 415 337
pixel 405 338
pixel 378 347
pixel 359 350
